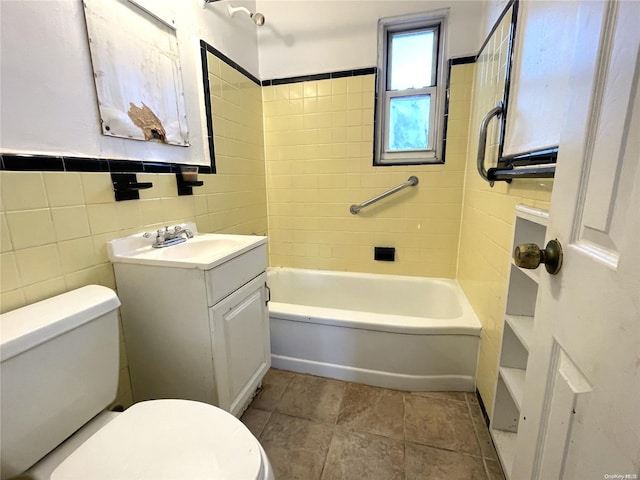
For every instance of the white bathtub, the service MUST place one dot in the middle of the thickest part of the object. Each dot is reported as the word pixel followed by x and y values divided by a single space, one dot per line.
pixel 406 333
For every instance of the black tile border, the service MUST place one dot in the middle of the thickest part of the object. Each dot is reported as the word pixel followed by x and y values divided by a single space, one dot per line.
pixel 58 163
pixel 304 78
pixel 43 163
pixel 461 61
pixel 126 166
pixel 204 48
pixel 85 164
pixel 507 76
pixel 321 76
pixel 217 53
pixel 153 167
pixel 375 119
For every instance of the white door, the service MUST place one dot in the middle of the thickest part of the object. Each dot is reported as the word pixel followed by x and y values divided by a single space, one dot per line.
pixel 581 409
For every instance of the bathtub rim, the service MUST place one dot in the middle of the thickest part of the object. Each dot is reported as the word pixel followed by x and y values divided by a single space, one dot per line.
pixel 465 324
pixel 374 321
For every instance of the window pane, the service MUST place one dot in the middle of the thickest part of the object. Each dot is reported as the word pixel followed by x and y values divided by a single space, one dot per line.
pixel 411 60
pixel 409 122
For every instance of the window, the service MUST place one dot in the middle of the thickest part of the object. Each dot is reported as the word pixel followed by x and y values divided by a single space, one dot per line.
pixel 410 108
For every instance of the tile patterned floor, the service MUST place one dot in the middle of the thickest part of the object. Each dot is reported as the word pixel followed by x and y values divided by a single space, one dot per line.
pixel 316 428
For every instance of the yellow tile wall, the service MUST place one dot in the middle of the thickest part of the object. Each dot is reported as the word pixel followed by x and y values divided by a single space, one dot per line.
pixel 319 144
pixel 315 158
pixel 54 225
pixel 487 217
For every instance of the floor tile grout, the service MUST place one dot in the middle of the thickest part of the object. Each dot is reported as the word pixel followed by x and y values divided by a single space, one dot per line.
pixel 361 429
pixel 344 388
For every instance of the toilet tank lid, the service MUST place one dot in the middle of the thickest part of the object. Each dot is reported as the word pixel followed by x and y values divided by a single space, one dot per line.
pixel 27 327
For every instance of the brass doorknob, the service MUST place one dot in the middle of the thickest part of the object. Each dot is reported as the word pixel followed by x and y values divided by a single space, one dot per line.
pixel 529 255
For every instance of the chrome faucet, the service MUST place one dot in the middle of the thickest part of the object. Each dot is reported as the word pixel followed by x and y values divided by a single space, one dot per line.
pixel 166 237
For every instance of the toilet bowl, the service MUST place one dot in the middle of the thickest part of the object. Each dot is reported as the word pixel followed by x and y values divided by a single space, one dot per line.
pixel 169 439
pixel 59 371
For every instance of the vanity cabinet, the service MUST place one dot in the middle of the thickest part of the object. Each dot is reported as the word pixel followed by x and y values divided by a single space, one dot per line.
pixel 197 334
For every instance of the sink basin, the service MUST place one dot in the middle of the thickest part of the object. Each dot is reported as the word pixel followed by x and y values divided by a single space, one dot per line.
pixel 201 246
pixel 203 251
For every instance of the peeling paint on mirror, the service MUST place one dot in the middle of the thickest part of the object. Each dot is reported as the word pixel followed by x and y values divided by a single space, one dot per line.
pixel 137 73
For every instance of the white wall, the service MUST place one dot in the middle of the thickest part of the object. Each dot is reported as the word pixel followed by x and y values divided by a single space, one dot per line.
pixel 305 37
pixel 48 100
pixel 493 10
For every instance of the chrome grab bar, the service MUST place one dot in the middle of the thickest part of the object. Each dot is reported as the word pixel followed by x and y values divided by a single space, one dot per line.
pixel 413 180
pixel 482 140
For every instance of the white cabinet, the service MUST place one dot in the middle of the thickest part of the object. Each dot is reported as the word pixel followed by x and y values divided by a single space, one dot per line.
pixel 240 336
pixel 197 334
pixel 530 227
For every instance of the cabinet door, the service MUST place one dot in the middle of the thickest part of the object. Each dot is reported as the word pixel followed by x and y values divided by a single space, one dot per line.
pixel 241 344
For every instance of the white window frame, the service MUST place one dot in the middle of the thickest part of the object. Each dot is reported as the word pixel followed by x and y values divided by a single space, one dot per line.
pixel 406 24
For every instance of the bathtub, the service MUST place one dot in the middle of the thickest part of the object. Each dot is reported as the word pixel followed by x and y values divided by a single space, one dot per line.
pixel 405 333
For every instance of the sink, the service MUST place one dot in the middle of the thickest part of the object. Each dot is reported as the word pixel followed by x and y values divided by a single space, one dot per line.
pixel 203 251
pixel 201 246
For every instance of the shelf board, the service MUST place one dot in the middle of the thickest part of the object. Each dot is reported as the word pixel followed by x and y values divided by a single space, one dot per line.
pixel 533 214
pixel 532 274
pixel 505 443
pixel 522 326
pixel 514 381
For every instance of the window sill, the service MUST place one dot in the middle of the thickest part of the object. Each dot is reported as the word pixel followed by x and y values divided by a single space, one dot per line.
pixel 405 162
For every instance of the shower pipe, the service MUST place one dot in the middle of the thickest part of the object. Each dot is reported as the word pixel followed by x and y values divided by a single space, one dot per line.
pixel 256 17
pixel 413 180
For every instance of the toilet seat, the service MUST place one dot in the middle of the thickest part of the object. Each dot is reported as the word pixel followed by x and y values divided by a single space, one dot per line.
pixel 168 439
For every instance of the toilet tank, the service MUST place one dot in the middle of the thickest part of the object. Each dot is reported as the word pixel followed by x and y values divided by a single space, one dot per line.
pixel 59 368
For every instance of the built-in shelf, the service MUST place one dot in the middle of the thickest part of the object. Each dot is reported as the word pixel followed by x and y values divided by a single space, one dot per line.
pixel 532 214
pixel 530 226
pixel 514 380
pixel 522 326
pixel 506 447
pixel 532 274
pixel 522 293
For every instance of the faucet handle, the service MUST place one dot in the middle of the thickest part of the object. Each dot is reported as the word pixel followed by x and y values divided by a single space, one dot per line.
pixel 158 233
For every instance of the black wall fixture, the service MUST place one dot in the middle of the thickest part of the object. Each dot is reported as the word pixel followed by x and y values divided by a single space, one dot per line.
pixel 185 187
pixel 126 186
pixel 384 254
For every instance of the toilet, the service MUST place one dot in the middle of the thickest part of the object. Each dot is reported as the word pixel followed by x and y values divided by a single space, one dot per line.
pixel 59 372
